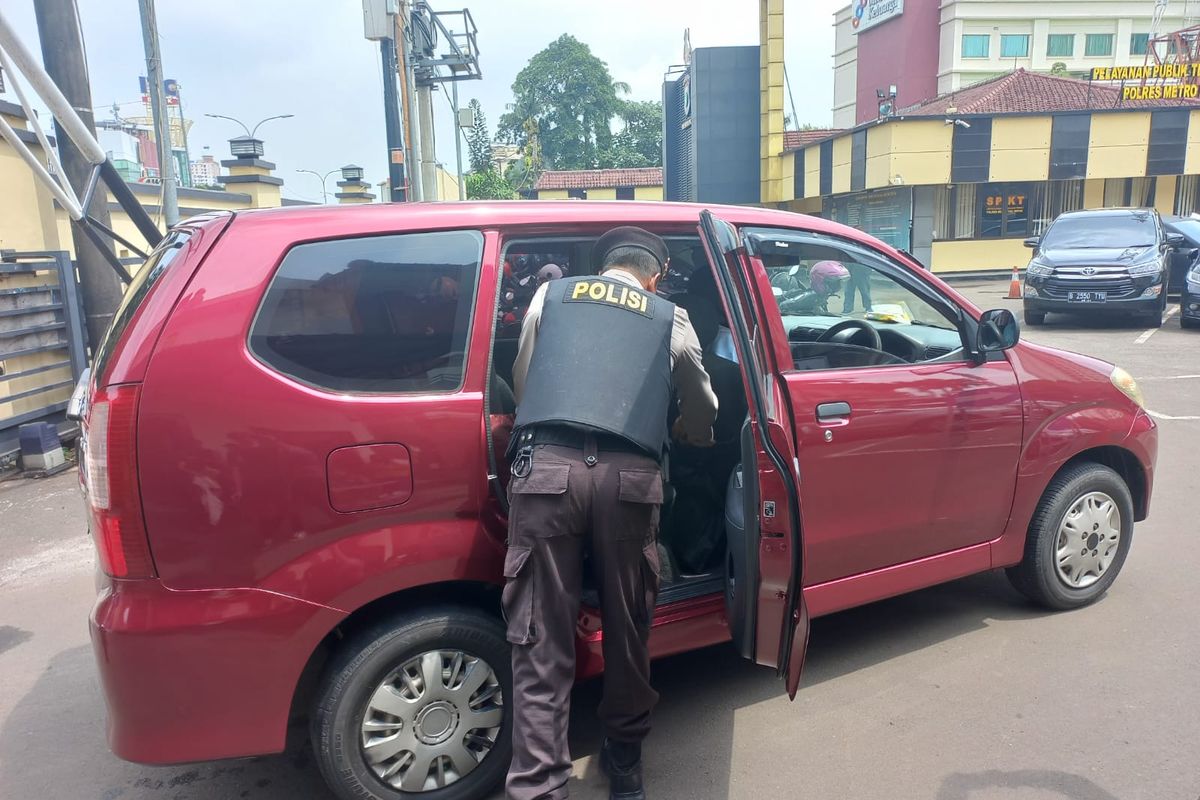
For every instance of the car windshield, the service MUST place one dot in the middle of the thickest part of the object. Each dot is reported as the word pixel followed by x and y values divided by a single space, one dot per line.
pixel 1101 231
pixel 1188 227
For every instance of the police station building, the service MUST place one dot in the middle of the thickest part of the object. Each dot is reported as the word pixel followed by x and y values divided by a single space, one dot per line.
pixel 960 179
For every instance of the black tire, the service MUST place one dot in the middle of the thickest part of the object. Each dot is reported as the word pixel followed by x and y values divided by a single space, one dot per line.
pixel 1190 324
pixel 1154 320
pixel 1034 318
pixel 361 665
pixel 1036 576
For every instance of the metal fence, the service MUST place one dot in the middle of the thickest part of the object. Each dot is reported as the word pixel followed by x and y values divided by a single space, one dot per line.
pixel 42 341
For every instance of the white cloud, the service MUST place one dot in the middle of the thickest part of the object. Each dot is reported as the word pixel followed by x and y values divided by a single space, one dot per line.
pixel 255 58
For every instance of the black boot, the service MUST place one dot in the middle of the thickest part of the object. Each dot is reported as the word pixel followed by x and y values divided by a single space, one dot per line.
pixel 622 761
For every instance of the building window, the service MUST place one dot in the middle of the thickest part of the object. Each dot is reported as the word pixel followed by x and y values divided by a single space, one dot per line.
pixel 858 161
pixel 1187 195
pixel 577 194
pixel 826 183
pixel 1049 199
pixel 798 175
pixel 1139 44
pixel 1098 45
pixel 976 45
pixel 1014 45
pixel 625 193
pixel 1003 210
pixel 1069 136
pixel 386 314
pixel 971 155
pixel 1168 142
pixel 1060 44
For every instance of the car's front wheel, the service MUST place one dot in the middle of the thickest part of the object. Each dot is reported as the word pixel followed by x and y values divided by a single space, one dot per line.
pixel 1033 318
pixel 1078 539
pixel 415 707
pixel 1187 322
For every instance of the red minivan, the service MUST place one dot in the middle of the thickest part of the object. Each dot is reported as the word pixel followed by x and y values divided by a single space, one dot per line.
pixel 293 461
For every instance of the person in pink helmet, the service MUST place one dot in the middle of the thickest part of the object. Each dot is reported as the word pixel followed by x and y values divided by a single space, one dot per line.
pixel 825 279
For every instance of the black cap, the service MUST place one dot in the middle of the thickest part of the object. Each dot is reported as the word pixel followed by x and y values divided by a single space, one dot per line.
pixel 630 236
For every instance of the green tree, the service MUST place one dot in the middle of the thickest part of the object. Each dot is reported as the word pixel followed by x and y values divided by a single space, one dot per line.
pixel 571 96
pixel 488 185
pixel 479 142
pixel 1058 68
pixel 639 142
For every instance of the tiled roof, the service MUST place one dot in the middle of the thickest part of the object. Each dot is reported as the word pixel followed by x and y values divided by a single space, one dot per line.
pixel 1024 92
pixel 794 140
pixel 599 178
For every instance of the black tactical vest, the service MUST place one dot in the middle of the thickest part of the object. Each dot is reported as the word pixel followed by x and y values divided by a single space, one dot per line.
pixel 602 361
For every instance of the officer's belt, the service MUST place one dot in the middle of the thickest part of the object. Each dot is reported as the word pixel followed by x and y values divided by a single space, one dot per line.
pixel 564 436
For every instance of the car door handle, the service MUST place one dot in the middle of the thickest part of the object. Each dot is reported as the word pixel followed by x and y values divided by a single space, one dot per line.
pixel 833 412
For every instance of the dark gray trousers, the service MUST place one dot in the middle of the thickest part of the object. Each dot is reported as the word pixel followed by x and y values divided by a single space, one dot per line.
pixel 568 502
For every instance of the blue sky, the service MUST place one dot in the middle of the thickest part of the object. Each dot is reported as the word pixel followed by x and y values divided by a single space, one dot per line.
pixel 255 58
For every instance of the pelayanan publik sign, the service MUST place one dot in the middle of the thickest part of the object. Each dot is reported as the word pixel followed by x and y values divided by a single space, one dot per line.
pixel 1153 72
pixel 869 13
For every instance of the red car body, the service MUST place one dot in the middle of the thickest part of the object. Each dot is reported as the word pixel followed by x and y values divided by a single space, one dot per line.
pixel 254 571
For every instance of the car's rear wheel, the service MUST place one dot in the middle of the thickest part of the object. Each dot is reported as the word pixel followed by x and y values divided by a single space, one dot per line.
pixel 415 708
pixel 1035 318
pixel 1078 539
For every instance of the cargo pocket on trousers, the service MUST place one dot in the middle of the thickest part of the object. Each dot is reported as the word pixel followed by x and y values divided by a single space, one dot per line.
pixel 640 486
pixel 517 598
pixel 651 576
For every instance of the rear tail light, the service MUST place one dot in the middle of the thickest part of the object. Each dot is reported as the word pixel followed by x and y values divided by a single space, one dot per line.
pixel 112 487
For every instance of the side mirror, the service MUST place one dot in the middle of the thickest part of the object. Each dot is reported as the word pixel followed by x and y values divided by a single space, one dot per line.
pixel 998 330
pixel 1176 240
pixel 1033 241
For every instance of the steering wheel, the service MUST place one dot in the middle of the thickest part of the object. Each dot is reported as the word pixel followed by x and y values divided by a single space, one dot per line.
pixel 849 329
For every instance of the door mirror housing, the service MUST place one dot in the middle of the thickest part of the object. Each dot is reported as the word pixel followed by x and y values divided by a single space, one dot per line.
pixel 998 331
pixel 1176 240
pixel 1032 242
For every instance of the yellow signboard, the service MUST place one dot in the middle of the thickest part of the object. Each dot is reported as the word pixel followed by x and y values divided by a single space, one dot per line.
pixel 1153 72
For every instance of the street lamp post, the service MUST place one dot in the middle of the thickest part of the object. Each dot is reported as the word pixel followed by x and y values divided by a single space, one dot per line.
pixel 250 131
pixel 323 178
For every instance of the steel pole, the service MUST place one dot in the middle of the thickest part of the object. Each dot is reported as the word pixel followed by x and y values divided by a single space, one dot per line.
pixel 158 104
pixel 391 119
pixel 458 134
pixel 62 53
pixel 428 154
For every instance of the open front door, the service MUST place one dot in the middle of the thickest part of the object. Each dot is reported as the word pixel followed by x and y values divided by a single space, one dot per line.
pixel 764 598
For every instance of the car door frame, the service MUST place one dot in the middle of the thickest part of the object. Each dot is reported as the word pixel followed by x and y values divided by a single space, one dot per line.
pixel 781 543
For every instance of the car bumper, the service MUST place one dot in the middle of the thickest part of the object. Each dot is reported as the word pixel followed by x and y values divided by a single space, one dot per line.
pixel 1137 305
pixel 200 675
pixel 1189 304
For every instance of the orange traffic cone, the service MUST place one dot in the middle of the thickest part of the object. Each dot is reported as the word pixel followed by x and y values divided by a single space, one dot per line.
pixel 1014 286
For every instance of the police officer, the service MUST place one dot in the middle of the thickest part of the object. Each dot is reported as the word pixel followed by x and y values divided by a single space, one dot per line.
pixel 595 367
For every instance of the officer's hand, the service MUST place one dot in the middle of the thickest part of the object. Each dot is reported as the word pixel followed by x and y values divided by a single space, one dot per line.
pixel 679 433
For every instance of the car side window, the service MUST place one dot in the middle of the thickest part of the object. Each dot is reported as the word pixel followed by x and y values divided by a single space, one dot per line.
pixel 845 306
pixel 386 314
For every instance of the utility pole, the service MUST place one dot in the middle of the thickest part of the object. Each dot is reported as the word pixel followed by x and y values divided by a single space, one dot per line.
pixel 404 46
pixel 428 147
pixel 158 104
pixel 62 55
pixel 458 134
pixel 391 119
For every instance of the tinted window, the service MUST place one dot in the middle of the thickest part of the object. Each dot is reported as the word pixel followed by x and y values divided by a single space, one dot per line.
pixel 1060 44
pixel 1188 227
pixel 144 280
pixel 625 193
pixel 379 314
pixel 971 154
pixel 1102 230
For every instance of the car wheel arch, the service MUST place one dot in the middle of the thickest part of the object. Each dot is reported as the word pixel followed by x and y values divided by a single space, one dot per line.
pixel 471 595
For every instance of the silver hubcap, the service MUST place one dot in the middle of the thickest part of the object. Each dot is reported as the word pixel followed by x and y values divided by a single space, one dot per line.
pixel 432 721
pixel 1087 540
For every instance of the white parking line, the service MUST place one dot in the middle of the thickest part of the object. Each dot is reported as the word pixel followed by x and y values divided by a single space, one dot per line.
pixel 1145 337
pixel 1157 415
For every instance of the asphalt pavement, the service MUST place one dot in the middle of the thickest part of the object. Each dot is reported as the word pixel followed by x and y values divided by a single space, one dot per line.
pixel 959 692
